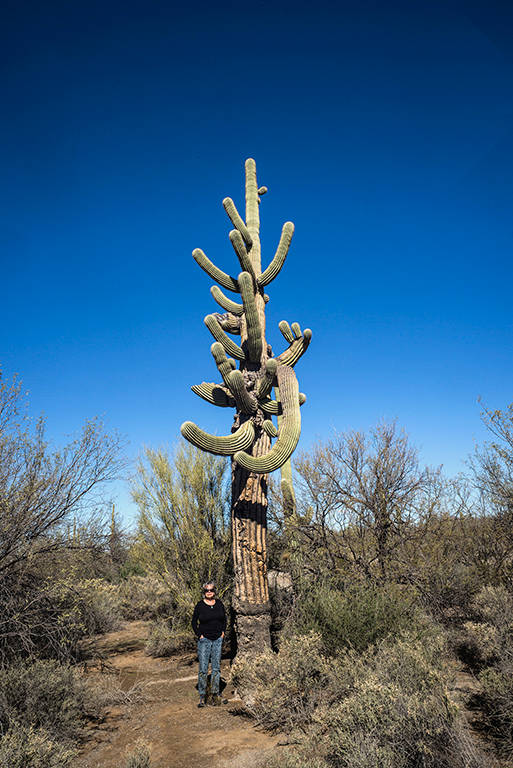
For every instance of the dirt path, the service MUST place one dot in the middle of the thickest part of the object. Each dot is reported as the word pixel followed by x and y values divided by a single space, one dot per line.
pixel 168 720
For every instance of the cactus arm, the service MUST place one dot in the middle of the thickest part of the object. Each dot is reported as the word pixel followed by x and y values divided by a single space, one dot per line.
pixel 224 366
pixel 227 304
pixel 288 436
pixel 252 215
pixel 269 428
pixel 222 446
pixel 276 264
pixel 286 331
pixel 287 489
pixel 235 218
pixel 215 273
pixel 297 348
pixel 273 407
pixel 228 322
pixel 265 384
pixel 240 249
pixel 254 332
pixel 214 393
pixel 220 336
pixel 246 402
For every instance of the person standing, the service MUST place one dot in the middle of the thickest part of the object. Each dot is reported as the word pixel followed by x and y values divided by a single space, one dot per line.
pixel 209 625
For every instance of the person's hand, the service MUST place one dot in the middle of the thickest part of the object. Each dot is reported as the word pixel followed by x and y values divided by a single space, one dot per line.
pixel 222 635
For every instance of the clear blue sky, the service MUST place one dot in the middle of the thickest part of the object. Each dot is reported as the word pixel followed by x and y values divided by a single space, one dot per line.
pixel 383 130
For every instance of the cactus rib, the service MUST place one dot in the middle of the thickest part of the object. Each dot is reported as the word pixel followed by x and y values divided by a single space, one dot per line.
pixel 215 273
pixel 289 433
pixel 252 320
pixel 225 445
pixel 276 264
pixel 226 303
pixel 240 249
pixel 214 393
pixel 265 384
pixel 237 221
pixel 220 336
pixel 246 402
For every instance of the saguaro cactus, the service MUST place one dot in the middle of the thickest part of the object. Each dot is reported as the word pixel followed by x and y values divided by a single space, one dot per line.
pixel 248 390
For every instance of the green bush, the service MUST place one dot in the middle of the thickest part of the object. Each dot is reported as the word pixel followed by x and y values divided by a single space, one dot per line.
pixel 45 694
pixel 386 708
pixel 28 747
pixel 145 597
pixel 354 617
pixel 497 703
pixel 164 640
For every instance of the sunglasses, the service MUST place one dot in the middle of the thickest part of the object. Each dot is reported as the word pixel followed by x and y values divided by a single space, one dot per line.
pixel 209 590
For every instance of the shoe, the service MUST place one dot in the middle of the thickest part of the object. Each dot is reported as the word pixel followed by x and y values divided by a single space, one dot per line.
pixel 217 701
pixel 201 701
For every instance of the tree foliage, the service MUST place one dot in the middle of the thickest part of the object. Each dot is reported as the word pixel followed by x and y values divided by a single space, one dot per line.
pixel 182 524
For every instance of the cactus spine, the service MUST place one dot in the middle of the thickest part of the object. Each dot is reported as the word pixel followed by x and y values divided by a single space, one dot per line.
pixel 248 389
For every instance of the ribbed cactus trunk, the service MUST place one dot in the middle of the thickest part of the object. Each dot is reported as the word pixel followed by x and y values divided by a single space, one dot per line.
pixel 248 390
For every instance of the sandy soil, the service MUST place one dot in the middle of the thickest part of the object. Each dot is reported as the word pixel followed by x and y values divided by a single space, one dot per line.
pixel 168 720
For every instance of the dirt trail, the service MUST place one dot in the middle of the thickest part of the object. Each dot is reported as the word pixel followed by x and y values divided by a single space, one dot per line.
pixel 168 720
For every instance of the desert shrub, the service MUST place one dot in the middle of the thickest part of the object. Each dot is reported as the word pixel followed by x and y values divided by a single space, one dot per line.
pixel 354 617
pixel 139 757
pixel 46 695
pixel 386 707
pixel 493 605
pixel 497 703
pixel 166 640
pixel 145 597
pixel 24 746
pixel 283 690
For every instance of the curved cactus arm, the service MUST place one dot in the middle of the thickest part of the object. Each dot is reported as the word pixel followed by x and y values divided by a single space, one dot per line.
pixel 287 489
pixel 297 348
pixel 228 322
pixel 226 303
pixel 246 402
pixel 237 221
pixel 286 331
pixel 288 435
pixel 214 393
pixel 252 320
pixel 220 336
pixel 276 264
pixel 222 446
pixel 273 407
pixel 224 364
pixel 265 384
pixel 215 273
pixel 240 249
pixel 269 428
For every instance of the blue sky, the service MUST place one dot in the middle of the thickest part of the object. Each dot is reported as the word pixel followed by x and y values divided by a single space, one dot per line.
pixel 383 130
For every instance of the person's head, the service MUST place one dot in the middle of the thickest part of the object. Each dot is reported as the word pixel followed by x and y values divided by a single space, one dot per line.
pixel 209 590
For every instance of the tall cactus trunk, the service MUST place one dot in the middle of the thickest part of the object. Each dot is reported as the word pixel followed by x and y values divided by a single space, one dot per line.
pixel 249 547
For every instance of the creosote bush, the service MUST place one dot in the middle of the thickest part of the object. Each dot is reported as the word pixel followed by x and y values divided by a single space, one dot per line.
pixel 352 617
pixel 24 746
pixel 165 640
pixel 145 597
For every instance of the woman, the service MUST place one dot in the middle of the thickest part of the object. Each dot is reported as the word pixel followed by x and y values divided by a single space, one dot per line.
pixel 209 625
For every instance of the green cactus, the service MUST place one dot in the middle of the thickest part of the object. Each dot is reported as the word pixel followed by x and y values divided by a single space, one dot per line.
pixel 225 302
pixel 248 389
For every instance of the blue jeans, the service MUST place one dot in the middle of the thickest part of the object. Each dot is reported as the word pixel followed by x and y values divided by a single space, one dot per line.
pixel 209 650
